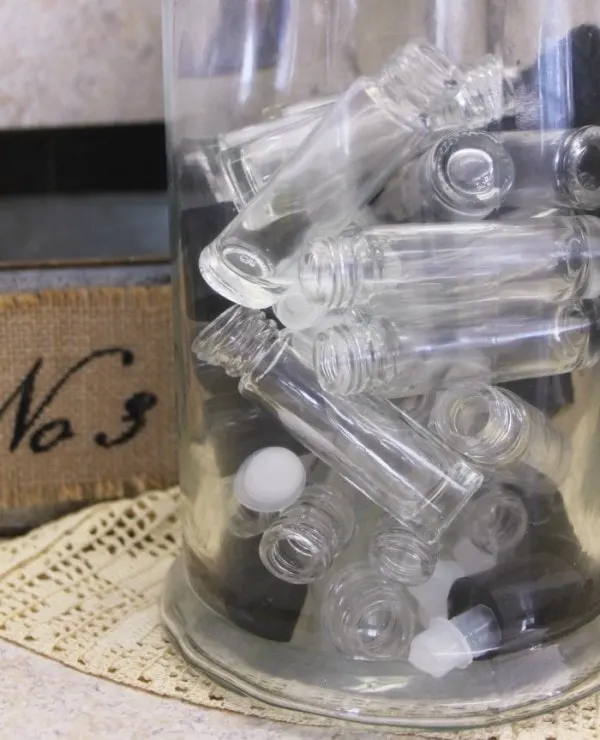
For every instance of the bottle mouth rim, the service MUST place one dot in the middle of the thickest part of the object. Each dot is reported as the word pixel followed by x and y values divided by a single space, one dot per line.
pixel 577 168
pixel 342 366
pixel 475 419
pixel 296 552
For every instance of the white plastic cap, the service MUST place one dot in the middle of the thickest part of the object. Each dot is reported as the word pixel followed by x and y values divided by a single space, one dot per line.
pixel 471 559
pixel 453 643
pixel 440 649
pixel 270 480
pixel 432 596
pixel 296 313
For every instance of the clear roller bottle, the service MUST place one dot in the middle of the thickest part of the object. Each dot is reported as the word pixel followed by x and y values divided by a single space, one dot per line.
pixel 463 177
pixel 302 543
pixel 398 464
pixel 554 168
pixel 387 358
pixel 430 265
pixel 366 615
pixel 371 131
pixel 498 431
pixel 250 156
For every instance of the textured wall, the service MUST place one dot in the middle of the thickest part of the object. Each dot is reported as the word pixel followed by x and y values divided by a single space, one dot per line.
pixel 79 61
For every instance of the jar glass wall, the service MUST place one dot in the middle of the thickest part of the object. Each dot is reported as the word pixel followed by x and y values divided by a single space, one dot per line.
pixel 247 84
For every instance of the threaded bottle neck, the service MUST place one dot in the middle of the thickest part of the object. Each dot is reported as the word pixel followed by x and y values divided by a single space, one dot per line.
pixel 368 616
pixel 401 554
pixel 482 422
pixel 300 546
pixel 577 168
pixel 236 340
pixel 497 520
pixel 332 270
pixel 346 357
pixel 484 94
pixel 419 74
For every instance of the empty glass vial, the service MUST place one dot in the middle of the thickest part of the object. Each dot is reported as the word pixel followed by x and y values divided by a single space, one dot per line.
pixel 499 431
pixel 384 357
pixel 300 546
pixel 429 265
pixel 401 554
pixel 371 130
pixel 464 176
pixel 398 464
pixel 365 615
pixel 251 156
pixel 496 521
pixel 554 168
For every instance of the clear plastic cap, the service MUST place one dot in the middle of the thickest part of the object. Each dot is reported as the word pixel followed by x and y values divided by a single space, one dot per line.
pixel 454 643
pixel 432 596
pixel 270 480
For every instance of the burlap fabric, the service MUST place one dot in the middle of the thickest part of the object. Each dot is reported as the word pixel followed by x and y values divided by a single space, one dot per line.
pixel 84 590
pixel 86 396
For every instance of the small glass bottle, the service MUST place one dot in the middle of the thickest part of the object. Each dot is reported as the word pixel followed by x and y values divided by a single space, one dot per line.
pixel 498 431
pixel 464 177
pixel 402 467
pixel 371 131
pixel 388 358
pixel 367 616
pixel 430 265
pixel 251 156
pixel 300 546
pixel 401 554
pixel 554 169
pixel 496 521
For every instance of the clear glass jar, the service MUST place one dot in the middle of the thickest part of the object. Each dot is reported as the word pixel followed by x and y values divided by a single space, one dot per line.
pixel 255 85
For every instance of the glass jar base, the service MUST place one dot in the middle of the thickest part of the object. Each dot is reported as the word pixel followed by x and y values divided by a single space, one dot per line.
pixel 290 676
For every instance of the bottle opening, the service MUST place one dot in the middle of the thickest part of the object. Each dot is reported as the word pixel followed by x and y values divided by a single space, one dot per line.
pixel 588 166
pixel 374 623
pixel 471 416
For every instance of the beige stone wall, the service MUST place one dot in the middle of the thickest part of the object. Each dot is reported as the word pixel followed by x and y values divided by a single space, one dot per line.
pixel 79 61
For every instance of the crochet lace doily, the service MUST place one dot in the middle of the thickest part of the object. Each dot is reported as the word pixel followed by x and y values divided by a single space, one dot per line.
pixel 84 591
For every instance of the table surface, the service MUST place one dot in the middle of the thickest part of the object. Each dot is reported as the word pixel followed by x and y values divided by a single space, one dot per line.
pixel 41 699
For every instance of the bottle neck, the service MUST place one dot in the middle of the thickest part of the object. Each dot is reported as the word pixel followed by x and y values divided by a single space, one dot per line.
pixel 347 357
pixel 300 546
pixel 485 93
pixel 368 616
pixel 236 340
pixel 419 75
pixel 577 167
pixel 401 554
pixel 483 422
pixel 333 270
